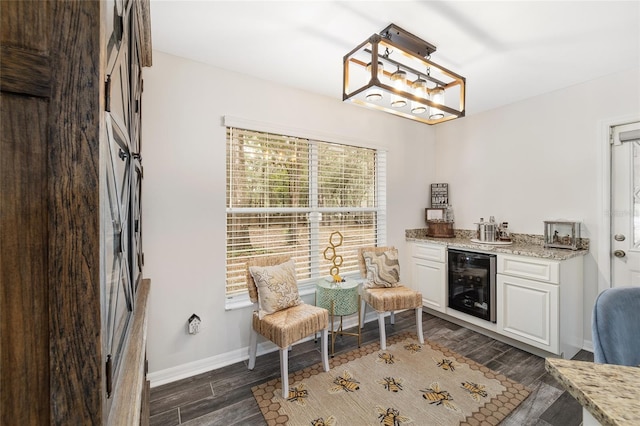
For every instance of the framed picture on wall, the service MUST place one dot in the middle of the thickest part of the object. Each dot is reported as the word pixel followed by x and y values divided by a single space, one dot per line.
pixel 439 195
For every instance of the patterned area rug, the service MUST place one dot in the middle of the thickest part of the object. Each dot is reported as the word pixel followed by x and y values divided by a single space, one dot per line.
pixel 407 383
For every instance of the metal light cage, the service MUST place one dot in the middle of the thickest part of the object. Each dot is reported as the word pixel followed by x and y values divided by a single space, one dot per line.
pixel 405 63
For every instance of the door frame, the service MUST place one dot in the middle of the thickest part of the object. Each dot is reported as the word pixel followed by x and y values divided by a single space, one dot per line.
pixel 604 240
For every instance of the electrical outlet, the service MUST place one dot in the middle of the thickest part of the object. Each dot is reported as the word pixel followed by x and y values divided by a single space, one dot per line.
pixel 193 324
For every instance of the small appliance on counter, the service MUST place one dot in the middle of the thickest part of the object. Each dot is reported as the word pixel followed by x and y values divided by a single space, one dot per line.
pixel 561 234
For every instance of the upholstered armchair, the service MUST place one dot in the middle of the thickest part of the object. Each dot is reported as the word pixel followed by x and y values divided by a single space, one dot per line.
pixel 280 315
pixel 382 289
pixel 615 326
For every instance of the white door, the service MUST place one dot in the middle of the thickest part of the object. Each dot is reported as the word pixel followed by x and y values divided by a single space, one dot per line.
pixel 625 206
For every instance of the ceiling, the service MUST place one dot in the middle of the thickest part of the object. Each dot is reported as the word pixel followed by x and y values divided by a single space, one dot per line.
pixel 507 50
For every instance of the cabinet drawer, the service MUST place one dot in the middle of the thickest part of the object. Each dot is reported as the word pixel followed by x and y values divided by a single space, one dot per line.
pixel 529 267
pixel 428 252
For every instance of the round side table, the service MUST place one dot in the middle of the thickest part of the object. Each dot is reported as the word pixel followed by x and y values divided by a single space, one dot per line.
pixel 340 299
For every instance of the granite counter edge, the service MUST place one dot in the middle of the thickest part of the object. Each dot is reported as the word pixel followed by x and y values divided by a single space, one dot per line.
pixel 529 245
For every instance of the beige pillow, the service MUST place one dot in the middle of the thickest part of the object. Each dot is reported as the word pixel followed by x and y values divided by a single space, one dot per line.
pixel 383 269
pixel 277 287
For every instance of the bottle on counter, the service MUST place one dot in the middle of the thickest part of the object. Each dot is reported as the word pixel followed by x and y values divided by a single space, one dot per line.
pixel 448 214
pixel 478 228
pixel 503 231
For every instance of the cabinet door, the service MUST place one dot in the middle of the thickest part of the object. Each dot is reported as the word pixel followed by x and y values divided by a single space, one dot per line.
pixel 528 312
pixel 429 278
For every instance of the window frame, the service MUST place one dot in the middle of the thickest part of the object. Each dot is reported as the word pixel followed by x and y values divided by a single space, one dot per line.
pixel 307 286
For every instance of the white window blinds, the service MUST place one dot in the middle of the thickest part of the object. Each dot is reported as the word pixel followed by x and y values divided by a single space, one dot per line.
pixel 286 195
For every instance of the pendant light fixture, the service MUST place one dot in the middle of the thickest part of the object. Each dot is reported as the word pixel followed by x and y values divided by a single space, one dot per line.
pixel 418 89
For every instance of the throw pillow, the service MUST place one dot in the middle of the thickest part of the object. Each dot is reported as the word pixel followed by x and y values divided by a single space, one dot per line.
pixel 277 287
pixel 383 269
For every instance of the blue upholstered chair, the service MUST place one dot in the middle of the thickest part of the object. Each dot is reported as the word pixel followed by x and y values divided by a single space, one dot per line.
pixel 616 326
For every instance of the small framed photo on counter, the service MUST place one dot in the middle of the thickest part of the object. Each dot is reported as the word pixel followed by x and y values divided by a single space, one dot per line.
pixel 561 234
pixel 434 214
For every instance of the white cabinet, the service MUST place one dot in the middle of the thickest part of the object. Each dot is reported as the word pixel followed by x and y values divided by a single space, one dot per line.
pixel 540 302
pixel 429 274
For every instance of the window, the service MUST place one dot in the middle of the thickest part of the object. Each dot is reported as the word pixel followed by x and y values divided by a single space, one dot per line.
pixel 286 195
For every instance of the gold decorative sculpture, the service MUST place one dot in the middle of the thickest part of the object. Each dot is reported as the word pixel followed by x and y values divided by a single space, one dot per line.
pixel 335 240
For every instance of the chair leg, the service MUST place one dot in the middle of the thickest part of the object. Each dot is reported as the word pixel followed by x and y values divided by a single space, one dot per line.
pixel 383 336
pixel 419 324
pixel 392 319
pixel 253 348
pixel 325 349
pixel 363 308
pixel 284 371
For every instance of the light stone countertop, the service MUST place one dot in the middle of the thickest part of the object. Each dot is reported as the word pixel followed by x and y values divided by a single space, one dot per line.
pixel 522 245
pixel 611 393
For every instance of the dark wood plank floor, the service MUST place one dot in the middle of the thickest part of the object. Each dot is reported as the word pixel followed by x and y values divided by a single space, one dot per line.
pixel 223 396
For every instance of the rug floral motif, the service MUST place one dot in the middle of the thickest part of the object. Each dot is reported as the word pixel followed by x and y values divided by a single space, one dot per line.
pixel 408 383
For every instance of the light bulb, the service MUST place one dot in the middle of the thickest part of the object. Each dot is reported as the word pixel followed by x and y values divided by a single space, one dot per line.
pixel 420 90
pixel 375 94
pixel 399 80
pixel 437 96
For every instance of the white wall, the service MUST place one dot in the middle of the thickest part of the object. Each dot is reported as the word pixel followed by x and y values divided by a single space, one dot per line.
pixel 536 160
pixel 184 194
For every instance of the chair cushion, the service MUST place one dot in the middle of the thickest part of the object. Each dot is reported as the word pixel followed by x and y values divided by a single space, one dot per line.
pixel 392 299
pixel 383 269
pixel 287 326
pixel 277 287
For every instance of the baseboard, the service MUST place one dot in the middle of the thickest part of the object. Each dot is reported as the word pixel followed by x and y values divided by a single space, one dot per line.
pixel 183 371
pixel 161 377
pixel 587 345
